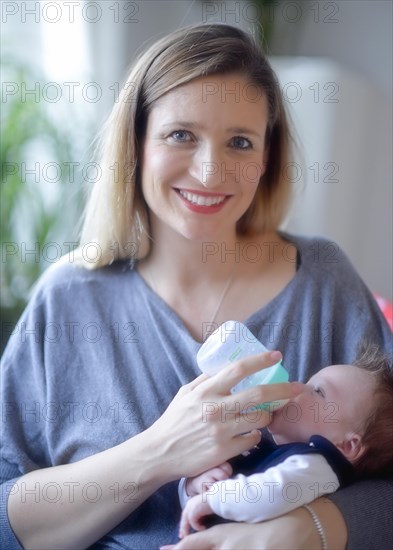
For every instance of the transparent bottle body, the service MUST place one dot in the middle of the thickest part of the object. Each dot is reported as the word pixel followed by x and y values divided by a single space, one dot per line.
pixel 231 342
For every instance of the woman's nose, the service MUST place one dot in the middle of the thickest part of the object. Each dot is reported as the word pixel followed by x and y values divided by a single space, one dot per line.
pixel 210 168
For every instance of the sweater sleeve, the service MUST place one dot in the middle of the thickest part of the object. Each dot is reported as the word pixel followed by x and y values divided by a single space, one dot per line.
pixel 22 447
pixel 183 497
pixel 296 481
pixel 9 476
pixel 8 539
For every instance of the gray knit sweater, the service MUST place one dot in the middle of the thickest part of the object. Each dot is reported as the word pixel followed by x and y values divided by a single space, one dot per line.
pixel 97 356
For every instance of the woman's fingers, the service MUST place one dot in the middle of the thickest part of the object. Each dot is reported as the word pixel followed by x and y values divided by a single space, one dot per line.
pixel 238 536
pixel 227 415
pixel 231 375
pixel 203 540
pixel 193 384
pixel 242 410
pixel 205 424
pixel 265 393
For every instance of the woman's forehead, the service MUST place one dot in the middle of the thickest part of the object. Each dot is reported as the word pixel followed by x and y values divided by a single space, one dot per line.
pixel 224 88
pixel 204 101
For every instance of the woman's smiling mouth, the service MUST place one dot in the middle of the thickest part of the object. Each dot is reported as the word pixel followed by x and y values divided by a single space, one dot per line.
pixel 201 200
pixel 202 203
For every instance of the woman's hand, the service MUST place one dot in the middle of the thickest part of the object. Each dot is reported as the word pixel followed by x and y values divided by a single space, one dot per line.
pixel 293 531
pixel 275 534
pixel 206 425
pixel 201 427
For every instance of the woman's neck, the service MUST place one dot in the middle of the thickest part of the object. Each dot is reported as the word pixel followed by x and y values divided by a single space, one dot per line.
pixel 208 282
pixel 184 262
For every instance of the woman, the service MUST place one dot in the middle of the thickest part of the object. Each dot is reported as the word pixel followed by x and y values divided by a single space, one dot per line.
pixel 193 193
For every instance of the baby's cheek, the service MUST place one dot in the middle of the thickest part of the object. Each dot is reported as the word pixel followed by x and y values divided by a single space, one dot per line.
pixel 277 420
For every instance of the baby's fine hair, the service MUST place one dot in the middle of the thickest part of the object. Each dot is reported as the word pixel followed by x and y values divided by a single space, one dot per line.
pixel 377 460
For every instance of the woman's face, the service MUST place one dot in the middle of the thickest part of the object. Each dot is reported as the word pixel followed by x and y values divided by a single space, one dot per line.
pixel 203 156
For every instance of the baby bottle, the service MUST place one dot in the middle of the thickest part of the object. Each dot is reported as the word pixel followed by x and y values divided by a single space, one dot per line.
pixel 233 341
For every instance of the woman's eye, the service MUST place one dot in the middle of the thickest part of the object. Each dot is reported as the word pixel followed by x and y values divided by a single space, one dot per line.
pixel 180 135
pixel 240 142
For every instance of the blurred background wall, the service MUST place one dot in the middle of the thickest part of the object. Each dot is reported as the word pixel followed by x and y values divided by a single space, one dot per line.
pixel 63 63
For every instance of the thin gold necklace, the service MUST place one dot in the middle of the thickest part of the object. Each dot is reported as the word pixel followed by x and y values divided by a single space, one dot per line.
pixel 220 301
pixel 224 293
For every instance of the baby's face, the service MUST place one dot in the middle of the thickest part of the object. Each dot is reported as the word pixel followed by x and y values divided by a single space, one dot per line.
pixel 335 402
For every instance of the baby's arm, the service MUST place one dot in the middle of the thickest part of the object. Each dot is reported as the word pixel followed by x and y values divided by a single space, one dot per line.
pixel 199 484
pixel 191 486
pixel 298 480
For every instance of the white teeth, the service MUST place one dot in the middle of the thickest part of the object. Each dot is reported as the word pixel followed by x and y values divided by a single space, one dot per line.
pixel 201 200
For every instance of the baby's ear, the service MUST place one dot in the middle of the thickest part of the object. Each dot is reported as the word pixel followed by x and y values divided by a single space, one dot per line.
pixel 352 447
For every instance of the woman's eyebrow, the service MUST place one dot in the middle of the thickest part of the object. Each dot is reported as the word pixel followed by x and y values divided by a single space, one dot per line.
pixel 197 126
pixel 183 124
pixel 244 130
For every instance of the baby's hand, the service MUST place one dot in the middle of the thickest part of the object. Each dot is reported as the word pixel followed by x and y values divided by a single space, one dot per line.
pixel 194 511
pixel 199 484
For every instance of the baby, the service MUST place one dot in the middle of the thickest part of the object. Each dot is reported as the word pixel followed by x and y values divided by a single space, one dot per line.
pixel 338 429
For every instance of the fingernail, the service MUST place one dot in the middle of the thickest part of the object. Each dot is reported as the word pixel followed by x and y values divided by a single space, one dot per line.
pixel 276 355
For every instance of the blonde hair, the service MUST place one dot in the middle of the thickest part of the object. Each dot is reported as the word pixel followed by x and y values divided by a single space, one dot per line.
pixel 116 216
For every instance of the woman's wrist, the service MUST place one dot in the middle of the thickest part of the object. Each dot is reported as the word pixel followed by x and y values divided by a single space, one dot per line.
pixel 304 533
pixel 331 522
pixel 318 526
pixel 149 459
pixel 124 476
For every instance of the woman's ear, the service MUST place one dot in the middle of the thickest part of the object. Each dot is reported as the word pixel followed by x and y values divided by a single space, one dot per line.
pixel 352 447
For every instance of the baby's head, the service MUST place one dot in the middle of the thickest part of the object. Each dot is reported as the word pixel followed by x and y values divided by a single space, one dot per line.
pixel 352 406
